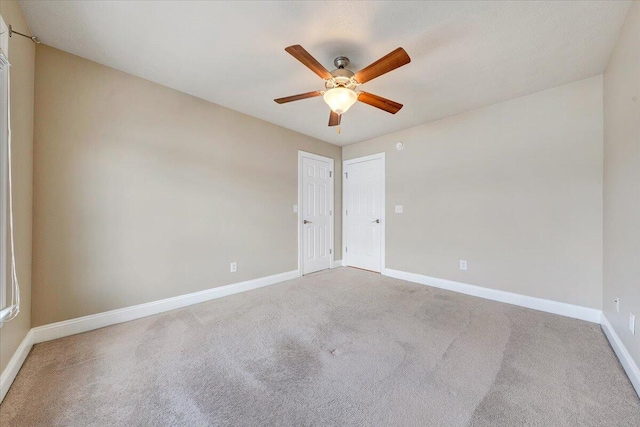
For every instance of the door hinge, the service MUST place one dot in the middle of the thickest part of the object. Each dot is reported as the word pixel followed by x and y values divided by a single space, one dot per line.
pixel 330 213
pixel 330 251
pixel 330 173
pixel 346 175
pixel 346 249
pixel 346 211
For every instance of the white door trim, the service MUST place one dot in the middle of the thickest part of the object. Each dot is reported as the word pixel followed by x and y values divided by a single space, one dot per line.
pixel 383 225
pixel 301 155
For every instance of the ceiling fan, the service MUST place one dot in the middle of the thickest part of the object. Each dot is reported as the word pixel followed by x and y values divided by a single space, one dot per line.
pixel 342 82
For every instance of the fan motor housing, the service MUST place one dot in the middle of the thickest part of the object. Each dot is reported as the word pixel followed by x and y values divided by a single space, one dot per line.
pixel 341 78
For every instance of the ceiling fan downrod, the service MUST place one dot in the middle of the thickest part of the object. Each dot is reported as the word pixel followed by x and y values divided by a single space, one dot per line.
pixel 341 62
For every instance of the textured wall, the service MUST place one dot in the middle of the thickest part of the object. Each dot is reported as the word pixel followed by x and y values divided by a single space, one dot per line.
pixel 142 192
pixel 622 182
pixel 514 188
pixel 22 58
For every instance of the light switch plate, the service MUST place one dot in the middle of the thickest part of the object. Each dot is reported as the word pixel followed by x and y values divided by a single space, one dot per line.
pixel 295 208
pixel 399 208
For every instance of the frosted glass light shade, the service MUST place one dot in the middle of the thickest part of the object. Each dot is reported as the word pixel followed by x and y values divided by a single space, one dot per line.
pixel 340 99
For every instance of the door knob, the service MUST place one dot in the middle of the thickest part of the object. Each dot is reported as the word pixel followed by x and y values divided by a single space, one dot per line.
pixel 306 222
pixel 377 221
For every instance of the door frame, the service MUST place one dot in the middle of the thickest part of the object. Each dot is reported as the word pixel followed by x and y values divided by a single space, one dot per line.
pixel 301 155
pixel 345 194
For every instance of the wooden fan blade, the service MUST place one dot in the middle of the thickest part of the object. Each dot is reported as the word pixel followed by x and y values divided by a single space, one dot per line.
pixel 298 97
pixel 309 61
pixel 379 102
pixel 390 62
pixel 334 119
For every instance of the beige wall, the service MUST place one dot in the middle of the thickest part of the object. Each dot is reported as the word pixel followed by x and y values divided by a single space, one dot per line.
pixel 514 188
pixel 142 192
pixel 622 182
pixel 22 58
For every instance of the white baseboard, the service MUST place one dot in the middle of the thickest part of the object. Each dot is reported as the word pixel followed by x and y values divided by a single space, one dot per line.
pixel 337 263
pixel 15 363
pixel 629 365
pixel 107 318
pixel 549 306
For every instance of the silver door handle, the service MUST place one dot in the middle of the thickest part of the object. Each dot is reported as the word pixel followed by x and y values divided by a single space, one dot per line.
pixel 306 222
pixel 377 221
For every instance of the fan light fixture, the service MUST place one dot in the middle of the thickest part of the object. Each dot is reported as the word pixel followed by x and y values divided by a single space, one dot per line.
pixel 340 99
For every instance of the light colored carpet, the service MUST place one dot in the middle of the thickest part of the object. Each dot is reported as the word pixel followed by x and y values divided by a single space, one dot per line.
pixel 343 347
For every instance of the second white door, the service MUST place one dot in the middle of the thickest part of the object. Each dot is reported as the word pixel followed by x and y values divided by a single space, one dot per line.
pixel 317 214
pixel 364 212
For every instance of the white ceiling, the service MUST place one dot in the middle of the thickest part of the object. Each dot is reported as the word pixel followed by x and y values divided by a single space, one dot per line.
pixel 465 55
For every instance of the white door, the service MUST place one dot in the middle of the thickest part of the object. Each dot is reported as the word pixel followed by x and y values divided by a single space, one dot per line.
pixel 364 212
pixel 317 213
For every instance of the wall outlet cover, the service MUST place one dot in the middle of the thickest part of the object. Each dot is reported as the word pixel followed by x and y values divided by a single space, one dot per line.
pixel 399 208
pixel 233 267
pixel 463 264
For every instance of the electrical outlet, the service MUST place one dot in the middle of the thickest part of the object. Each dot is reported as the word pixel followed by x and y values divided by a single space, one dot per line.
pixel 632 323
pixel 234 267
pixel 463 264
pixel 399 208
pixel 617 301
